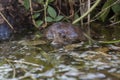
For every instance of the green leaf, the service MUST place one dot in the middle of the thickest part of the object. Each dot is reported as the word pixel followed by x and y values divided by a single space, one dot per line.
pixel 76 16
pixel 116 8
pixel 49 19
pixel 51 12
pixel 106 8
pixel 51 0
pixel 104 15
pixel 58 18
pixel 36 15
pixel 26 4
pixel 39 23
pixel 40 1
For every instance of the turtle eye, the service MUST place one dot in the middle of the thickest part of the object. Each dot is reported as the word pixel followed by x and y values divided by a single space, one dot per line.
pixel 62 35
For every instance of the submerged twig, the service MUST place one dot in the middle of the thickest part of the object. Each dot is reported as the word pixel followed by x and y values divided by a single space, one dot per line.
pixel 109 42
pixel 14 72
pixel 23 62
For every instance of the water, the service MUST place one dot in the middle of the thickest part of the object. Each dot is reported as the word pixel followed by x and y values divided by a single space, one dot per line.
pixel 27 59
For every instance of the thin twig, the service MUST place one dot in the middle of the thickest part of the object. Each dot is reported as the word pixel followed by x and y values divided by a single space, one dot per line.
pixel 91 9
pixel 45 14
pixel 31 12
pixel 6 20
pixel 27 63
pixel 14 72
pixel 103 10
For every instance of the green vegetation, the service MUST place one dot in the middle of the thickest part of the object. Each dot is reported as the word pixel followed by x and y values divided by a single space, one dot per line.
pixel 48 11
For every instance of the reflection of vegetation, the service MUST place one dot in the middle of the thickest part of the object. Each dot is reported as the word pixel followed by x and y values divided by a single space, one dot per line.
pixel 36 64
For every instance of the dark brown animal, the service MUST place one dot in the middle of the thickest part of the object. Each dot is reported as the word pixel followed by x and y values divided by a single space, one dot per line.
pixel 62 33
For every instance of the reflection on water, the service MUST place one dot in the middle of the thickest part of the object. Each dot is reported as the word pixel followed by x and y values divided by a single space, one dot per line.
pixel 36 60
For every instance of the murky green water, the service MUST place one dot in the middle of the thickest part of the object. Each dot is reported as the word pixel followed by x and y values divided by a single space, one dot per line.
pixel 37 60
